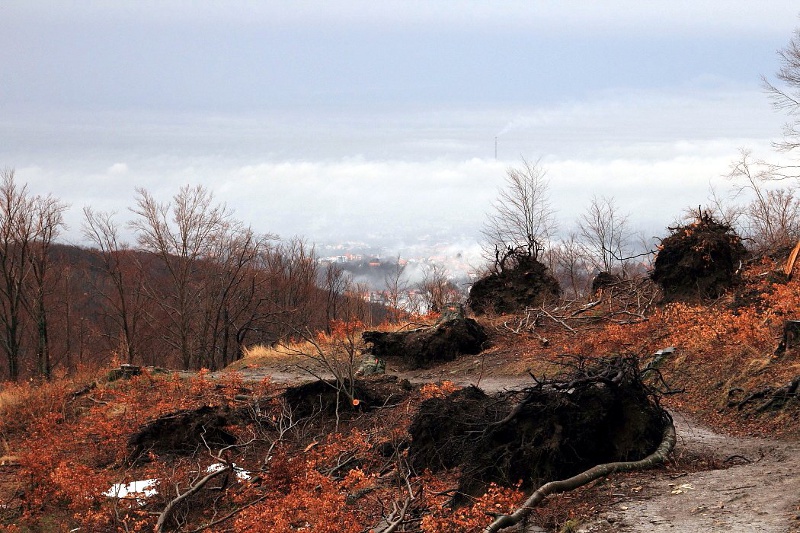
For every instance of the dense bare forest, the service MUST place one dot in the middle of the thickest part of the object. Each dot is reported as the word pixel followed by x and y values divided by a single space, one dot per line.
pixel 191 292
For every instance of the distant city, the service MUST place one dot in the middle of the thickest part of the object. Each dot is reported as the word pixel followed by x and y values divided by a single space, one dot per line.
pixel 375 266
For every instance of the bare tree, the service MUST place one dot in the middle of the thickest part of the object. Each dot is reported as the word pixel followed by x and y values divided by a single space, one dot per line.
pixel 28 225
pixel 229 279
pixel 437 290
pixel 570 266
pixel 181 234
pixel 16 231
pixel 772 218
pixel 47 221
pixel 336 282
pixel 293 293
pixel 785 93
pixel 604 233
pixel 396 288
pixel 125 299
pixel 258 304
pixel 522 216
pixel 722 208
pixel 776 222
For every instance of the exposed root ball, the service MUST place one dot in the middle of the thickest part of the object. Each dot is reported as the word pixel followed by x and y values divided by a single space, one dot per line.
pixel 321 397
pixel 551 431
pixel 699 260
pixel 527 284
pixel 182 432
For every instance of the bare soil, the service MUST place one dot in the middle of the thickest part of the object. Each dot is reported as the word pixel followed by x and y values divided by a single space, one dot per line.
pixel 753 485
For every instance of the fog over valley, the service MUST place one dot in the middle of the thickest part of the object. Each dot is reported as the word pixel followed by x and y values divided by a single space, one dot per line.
pixel 391 126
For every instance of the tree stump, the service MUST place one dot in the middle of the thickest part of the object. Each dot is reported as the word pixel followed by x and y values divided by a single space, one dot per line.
pixel 791 336
pixel 125 371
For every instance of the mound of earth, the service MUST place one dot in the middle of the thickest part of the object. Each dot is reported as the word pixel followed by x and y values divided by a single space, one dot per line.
pixel 554 430
pixel 425 347
pixel 698 260
pixel 527 283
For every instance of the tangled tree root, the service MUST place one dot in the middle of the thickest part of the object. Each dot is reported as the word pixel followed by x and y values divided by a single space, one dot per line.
pixel 526 282
pixel 183 432
pixel 587 476
pixel 603 413
pixel 324 396
pixel 768 398
pixel 698 260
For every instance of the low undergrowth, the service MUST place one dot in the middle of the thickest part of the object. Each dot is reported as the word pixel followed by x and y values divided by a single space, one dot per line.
pixel 347 468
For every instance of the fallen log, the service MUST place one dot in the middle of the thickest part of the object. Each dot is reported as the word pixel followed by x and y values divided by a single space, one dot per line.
pixel 451 337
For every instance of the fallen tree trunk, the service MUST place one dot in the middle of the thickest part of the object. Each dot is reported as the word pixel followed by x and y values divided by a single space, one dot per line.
pixel 451 337
pixel 587 476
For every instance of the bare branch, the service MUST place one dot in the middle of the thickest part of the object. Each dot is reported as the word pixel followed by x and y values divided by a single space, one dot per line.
pixel 522 216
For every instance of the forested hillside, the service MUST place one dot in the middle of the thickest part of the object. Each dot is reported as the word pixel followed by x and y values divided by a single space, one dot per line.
pixel 195 288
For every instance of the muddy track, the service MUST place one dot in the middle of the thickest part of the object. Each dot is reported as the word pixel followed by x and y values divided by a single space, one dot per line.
pixel 755 489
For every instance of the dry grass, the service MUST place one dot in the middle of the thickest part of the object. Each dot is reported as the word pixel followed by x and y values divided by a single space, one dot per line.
pixel 279 354
pixel 11 395
pixel 286 354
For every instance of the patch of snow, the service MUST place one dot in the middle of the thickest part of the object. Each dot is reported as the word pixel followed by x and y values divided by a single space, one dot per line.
pixel 144 488
pixel 241 473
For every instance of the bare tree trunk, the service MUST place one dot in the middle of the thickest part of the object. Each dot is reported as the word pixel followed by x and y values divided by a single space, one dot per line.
pixel 43 349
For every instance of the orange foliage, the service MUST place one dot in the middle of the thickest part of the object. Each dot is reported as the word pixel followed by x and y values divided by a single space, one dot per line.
pixel 443 519
pixel 312 503
pixel 345 329
pixel 72 448
pixel 437 390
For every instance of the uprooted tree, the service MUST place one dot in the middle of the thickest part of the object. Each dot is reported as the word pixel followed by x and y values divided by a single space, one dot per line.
pixel 515 233
pixel 698 260
pixel 453 335
pixel 518 281
pixel 601 418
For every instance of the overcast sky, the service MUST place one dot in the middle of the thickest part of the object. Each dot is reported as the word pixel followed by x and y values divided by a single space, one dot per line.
pixel 378 121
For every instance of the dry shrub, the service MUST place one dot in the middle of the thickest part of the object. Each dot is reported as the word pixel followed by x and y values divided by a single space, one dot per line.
pixel 73 446
pixel 443 519
pixel 22 404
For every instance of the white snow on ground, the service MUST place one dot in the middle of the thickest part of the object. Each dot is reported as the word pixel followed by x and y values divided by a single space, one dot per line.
pixel 143 488
pixel 241 473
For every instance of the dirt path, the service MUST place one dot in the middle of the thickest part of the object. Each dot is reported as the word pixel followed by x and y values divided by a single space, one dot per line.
pixel 760 492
